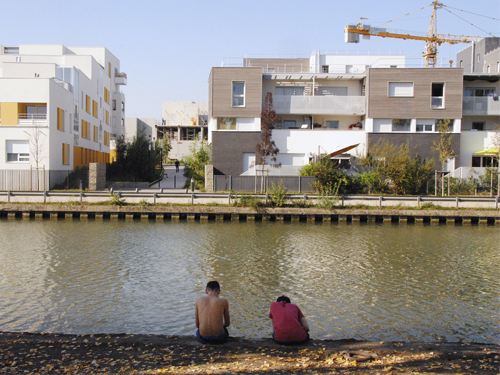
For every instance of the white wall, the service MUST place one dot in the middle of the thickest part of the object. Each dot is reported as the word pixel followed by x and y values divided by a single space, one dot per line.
pixel 471 142
pixel 310 141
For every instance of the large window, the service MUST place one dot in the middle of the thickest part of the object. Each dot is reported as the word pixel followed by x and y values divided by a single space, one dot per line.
pixel 332 124
pixel 60 119
pixel 400 89
pixel 437 100
pixel 18 151
pixel 289 124
pixel 477 126
pixel 65 153
pixel 401 125
pixel 238 94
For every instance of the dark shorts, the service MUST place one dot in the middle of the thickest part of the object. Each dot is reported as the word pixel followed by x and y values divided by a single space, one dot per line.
pixel 293 342
pixel 212 339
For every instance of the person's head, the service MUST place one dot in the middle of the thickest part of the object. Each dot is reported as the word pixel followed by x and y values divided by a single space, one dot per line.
pixel 283 298
pixel 213 286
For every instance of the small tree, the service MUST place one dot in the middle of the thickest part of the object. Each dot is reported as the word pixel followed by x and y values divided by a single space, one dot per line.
pixel 444 146
pixel 37 148
pixel 194 164
pixel 266 149
pixel 167 147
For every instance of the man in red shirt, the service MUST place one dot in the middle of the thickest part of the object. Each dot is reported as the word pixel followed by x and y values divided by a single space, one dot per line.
pixel 289 324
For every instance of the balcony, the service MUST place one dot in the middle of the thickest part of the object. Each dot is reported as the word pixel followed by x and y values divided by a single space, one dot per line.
pixel 120 78
pixel 481 105
pixel 30 119
pixel 320 105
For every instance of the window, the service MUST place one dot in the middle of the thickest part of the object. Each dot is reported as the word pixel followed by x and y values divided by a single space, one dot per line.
pixel 437 100
pixel 60 119
pixel 87 103
pixel 425 125
pixel 289 124
pixel 226 123
pixel 238 94
pixel 324 68
pixel 477 126
pixel 109 69
pixel 106 95
pixel 290 91
pixel 106 138
pixel 96 133
pixel 114 104
pixel 65 153
pixel 18 151
pixel 94 108
pixel 400 89
pixel 332 124
pixel 107 117
pixel 401 125
pixel 85 129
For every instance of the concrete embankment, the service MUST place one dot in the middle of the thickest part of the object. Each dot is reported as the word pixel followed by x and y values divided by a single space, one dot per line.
pixel 162 213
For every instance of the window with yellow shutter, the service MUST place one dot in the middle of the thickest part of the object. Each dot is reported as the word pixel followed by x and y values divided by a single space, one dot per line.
pixel 106 95
pixel 106 138
pixel 65 153
pixel 87 103
pixel 95 133
pixel 94 108
pixel 107 117
pixel 60 119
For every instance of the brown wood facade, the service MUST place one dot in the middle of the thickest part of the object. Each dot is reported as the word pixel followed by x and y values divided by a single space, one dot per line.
pixel 220 92
pixel 418 106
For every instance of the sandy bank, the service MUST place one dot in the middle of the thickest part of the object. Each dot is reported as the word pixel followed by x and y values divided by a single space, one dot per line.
pixel 34 353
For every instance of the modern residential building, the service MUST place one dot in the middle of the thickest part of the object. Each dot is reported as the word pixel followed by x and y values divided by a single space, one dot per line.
pixel 184 123
pixel 481 105
pixel 328 104
pixel 60 108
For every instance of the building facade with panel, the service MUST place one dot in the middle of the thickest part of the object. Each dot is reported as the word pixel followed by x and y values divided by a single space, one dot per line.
pixel 60 107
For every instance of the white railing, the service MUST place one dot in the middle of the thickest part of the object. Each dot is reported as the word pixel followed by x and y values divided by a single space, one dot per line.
pixel 335 105
pixel 31 119
pixel 474 105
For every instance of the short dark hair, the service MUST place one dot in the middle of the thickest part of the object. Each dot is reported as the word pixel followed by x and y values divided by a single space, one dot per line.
pixel 283 298
pixel 213 285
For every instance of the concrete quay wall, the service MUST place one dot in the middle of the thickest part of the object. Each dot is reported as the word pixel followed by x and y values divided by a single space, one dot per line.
pixel 162 213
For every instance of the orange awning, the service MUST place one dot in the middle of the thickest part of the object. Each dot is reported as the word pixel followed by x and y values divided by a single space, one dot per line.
pixel 342 150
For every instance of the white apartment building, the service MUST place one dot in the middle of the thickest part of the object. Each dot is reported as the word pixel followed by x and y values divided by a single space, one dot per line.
pixel 60 108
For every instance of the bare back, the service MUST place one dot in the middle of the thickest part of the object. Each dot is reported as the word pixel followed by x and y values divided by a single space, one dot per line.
pixel 212 315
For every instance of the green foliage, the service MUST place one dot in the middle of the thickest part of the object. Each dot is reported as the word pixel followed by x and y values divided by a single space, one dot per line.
pixel 194 164
pixel 463 186
pixel 328 197
pixel 429 206
pixel 330 176
pixel 444 144
pixel 144 203
pixel 485 179
pixel 167 147
pixel 115 199
pixel 390 168
pixel 136 160
pixel 248 201
pixel 277 194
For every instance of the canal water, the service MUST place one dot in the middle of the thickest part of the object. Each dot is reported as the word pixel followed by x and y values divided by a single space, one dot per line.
pixel 363 281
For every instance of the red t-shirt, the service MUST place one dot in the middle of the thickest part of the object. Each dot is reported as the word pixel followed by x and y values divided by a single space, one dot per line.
pixel 286 322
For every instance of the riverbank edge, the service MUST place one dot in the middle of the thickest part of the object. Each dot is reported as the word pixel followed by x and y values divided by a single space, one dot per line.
pixel 143 353
pixel 200 212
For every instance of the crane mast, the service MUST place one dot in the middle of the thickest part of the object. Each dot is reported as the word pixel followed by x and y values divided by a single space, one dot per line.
pixel 432 39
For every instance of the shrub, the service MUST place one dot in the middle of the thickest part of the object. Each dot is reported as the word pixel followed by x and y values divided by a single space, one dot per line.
pixel 277 194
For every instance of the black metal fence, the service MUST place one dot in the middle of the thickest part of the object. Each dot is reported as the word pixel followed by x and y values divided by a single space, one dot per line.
pixel 297 184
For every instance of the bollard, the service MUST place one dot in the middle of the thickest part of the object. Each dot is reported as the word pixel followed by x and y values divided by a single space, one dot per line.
pixel 418 201
pixel 136 190
pixel 379 202
pixel 458 199
pixel 8 197
pixel 192 199
pixel 229 199
pixel 44 197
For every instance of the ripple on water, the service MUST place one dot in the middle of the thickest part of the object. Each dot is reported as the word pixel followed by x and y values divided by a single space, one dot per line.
pixel 379 282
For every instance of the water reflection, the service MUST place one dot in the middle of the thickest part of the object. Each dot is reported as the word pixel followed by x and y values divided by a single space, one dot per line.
pixel 379 282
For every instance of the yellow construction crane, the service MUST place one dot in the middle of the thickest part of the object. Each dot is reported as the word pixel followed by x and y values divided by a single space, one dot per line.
pixel 432 40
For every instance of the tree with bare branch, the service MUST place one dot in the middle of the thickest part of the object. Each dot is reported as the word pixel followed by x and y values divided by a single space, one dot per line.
pixel 37 140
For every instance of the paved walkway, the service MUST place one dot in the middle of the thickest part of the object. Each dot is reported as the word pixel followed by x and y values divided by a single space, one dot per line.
pixel 172 179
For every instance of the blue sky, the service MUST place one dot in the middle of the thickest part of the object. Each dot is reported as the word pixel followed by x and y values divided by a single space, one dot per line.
pixel 167 48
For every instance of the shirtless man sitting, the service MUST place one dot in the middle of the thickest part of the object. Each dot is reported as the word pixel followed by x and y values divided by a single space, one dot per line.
pixel 212 316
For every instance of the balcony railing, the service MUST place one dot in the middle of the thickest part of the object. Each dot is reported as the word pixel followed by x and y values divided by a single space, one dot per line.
pixel 320 105
pixel 120 78
pixel 481 105
pixel 31 119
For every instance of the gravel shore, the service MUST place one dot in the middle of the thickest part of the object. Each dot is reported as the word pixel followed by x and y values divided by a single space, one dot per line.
pixel 48 353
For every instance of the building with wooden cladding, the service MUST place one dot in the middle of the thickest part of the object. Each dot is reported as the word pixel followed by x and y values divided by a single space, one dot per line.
pixel 328 102
pixel 60 107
